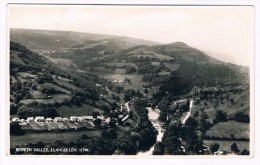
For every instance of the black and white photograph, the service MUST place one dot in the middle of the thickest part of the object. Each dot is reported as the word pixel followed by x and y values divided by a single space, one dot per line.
pixel 142 80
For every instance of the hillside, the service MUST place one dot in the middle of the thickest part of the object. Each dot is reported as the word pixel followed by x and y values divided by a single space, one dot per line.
pixel 46 40
pixel 40 87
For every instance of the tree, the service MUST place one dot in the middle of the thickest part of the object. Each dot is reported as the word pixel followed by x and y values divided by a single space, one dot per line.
pixel 220 116
pixel 158 149
pixel 112 123
pixel 191 123
pixel 109 134
pixel 18 98
pixel 214 147
pixel 97 122
pixel 15 129
pixel 234 148
pixel 245 152
pixel 95 114
pixel 126 146
pixel 163 116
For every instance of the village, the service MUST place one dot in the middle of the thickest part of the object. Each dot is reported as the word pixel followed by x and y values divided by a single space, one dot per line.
pixel 71 123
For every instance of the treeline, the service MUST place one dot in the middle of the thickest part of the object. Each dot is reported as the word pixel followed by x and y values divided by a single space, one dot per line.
pixel 189 74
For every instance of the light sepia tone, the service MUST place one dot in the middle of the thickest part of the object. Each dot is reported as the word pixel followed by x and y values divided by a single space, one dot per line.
pixel 130 80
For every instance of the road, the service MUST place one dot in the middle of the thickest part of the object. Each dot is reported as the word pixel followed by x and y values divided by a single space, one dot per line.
pixel 188 114
pixel 128 107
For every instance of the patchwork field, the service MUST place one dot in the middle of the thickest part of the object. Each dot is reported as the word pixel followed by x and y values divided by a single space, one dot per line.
pixel 225 129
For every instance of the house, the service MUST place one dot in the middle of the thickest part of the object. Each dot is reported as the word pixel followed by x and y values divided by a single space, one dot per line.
pixel 39 119
pixel 16 120
pixel 74 118
pixel 65 119
pixel 85 118
pixel 58 119
pixel 29 119
pixel 48 120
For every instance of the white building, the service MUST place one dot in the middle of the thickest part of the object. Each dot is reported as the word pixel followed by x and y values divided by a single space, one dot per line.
pixel 48 120
pixel 74 118
pixel 15 119
pixel 85 118
pixel 39 119
pixel 58 119
pixel 29 119
pixel 65 119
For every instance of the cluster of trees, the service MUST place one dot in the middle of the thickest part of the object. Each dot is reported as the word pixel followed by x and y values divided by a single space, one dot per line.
pixel 147 68
pixel 234 148
pixel 37 110
pixel 20 90
pixel 145 128
pixel 130 69
pixel 190 73
pixel 173 137
pixel 144 58
pixel 130 94
pixel 241 117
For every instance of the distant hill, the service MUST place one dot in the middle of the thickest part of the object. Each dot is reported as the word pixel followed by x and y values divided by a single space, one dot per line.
pixel 177 51
pixel 39 40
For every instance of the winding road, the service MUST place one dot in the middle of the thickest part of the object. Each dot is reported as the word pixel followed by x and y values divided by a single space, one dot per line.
pixel 188 114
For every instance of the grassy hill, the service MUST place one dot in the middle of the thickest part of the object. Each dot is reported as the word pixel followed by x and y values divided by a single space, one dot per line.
pixel 39 86
pixel 44 40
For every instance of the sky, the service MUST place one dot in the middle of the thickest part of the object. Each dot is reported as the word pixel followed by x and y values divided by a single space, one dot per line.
pixel 224 31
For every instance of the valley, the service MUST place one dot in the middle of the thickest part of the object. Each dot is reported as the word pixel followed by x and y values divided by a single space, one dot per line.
pixel 120 82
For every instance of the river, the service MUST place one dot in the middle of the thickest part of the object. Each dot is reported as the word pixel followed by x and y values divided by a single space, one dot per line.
pixel 153 116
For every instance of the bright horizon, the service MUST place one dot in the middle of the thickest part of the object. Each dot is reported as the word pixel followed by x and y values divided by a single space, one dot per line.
pixel 227 31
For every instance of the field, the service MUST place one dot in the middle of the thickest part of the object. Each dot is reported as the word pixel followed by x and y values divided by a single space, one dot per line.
pixel 25 75
pixel 49 85
pixel 162 57
pixel 50 137
pixel 116 76
pixel 226 145
pixel 226 106
pixel 225 129
pixel 55 125
pixel 83 110
pixel 61 61
pixel 66 84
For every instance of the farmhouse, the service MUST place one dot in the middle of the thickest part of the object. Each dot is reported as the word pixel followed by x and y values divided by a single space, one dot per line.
pixel 29 119
pixel 74 118
pixel 85 118
pixel 58 119
pixel 65 119
pixel 15 119
pixel 48 120
pixel 39 119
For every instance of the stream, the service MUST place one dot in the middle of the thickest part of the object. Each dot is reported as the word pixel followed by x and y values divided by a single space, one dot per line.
pixel 153 115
